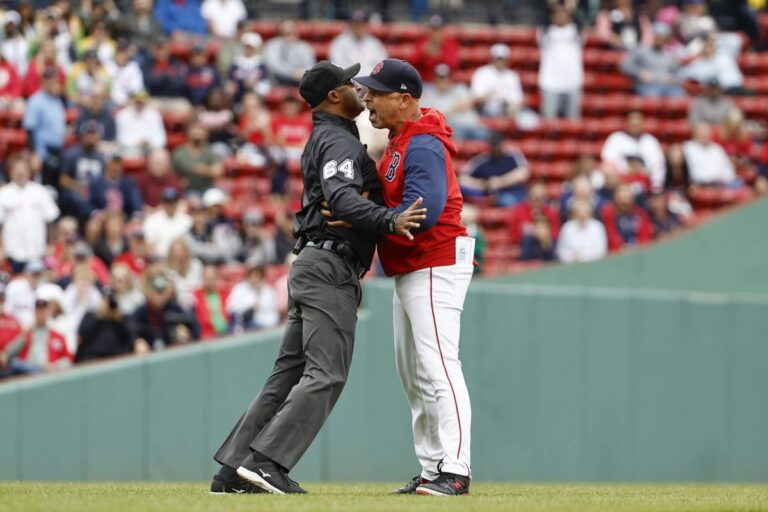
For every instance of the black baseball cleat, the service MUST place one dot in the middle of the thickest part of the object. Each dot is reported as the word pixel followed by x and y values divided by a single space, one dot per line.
pixel 447 484
pixel 269 476
pixel 411 486
pixel 234 486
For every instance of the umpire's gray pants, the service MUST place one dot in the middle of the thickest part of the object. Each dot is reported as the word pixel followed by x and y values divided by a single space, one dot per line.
pixel 312 364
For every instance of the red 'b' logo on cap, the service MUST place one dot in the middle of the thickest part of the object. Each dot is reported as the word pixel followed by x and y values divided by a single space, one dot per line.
pixel 377 67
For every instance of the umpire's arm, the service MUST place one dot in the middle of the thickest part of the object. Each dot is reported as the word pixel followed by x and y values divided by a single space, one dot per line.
pixel 342 183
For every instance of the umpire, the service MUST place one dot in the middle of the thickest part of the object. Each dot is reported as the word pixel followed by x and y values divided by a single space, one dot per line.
pixel 324 286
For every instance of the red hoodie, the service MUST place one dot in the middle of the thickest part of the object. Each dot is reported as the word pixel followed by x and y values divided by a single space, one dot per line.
pixel 417 163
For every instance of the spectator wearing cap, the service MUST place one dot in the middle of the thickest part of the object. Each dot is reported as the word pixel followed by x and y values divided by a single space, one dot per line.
pixel 44 58
pixel 634 140
pixel 713 64
pixel 561 70
pixel 223 16
pixel 259 244
pixel 26 209
pixel 83 75
pixel 139 126
pixel 138 253
pixel 104 332
pixel 708 163
pixel 502 174
pixel 20 293
pixel 114 192
pixel 455 102
pixel 45 123
pixel 582 238
pixel 195 161
pixel 248 72
pixel 201 76
pixel 38 349
pixel 286 56
pixel 125 74
pixel 59 320
pixel 81 165
pixel 212 237
pixel 98 108
pixel 76 256
pixel 439 46
pixel 10 87
pixel 654 71
pixel 184 16
pixel 158 178
pixel 665 221
pixel 166 77
pixel 122 283
pixel 496 89
pixel 355 44
pixel 167 223
pixel 209 305
pixel 253 304
pixel 139 25
pixel 711 106
pixel 14 46
pixel 185 270
pixel 626 224
pixel 161 321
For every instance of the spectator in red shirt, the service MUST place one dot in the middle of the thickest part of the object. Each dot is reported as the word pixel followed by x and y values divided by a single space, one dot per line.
pixel 437 47
pixel 10 86
pixel 135 258
pixel 733 136
pixel 255 122
pixel 637 176
pixel 291 128
pixel 9 328
pixel 44 58
pixel 158 177
pixel 626 224
pixel 209 305
pixel 525 213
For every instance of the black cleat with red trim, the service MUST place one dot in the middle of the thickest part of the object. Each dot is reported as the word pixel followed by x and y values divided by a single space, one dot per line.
pixel 447 484
pixel 411 486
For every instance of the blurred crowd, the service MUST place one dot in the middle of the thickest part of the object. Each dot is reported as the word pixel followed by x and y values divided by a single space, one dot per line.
pixel 128 129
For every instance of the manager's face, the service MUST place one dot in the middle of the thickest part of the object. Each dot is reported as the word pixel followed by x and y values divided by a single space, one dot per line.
pixel 385 108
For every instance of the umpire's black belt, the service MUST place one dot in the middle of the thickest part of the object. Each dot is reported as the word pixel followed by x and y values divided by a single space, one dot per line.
pixel 344 250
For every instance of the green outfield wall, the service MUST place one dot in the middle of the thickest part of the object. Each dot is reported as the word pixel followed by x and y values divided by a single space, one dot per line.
pixel 608 382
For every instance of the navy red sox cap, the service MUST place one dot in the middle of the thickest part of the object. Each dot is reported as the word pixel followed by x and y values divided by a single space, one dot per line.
pixel 393 75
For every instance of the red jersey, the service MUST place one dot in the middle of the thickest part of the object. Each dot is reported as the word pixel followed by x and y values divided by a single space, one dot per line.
pixel 417 163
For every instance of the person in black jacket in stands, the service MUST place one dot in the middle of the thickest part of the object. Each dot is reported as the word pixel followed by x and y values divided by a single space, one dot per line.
pixel 103 333
pixel 161 321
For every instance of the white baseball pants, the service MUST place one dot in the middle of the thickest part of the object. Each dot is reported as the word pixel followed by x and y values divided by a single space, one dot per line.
pixel 427 307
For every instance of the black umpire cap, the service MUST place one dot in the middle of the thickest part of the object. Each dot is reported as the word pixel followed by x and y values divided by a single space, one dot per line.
pixel 324 77
pixel 393 75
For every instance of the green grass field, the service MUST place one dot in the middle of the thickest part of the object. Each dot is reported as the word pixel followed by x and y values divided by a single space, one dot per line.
pixel 172 497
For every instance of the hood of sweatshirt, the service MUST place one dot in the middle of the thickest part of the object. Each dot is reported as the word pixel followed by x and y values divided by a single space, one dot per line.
pixel 432 122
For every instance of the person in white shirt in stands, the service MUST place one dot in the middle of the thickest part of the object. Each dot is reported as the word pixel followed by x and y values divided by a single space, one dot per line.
pixel 355 44
pixel 561 71
pixel 26 209
pixel 455 102
pixel 126 75
pixel 496 89
pixel 21 291
pixel 708 163
pixel 222 16
pixel 139 126
pixel 634 141
pixel 253 304
pixel 582 238
pixel 166 224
